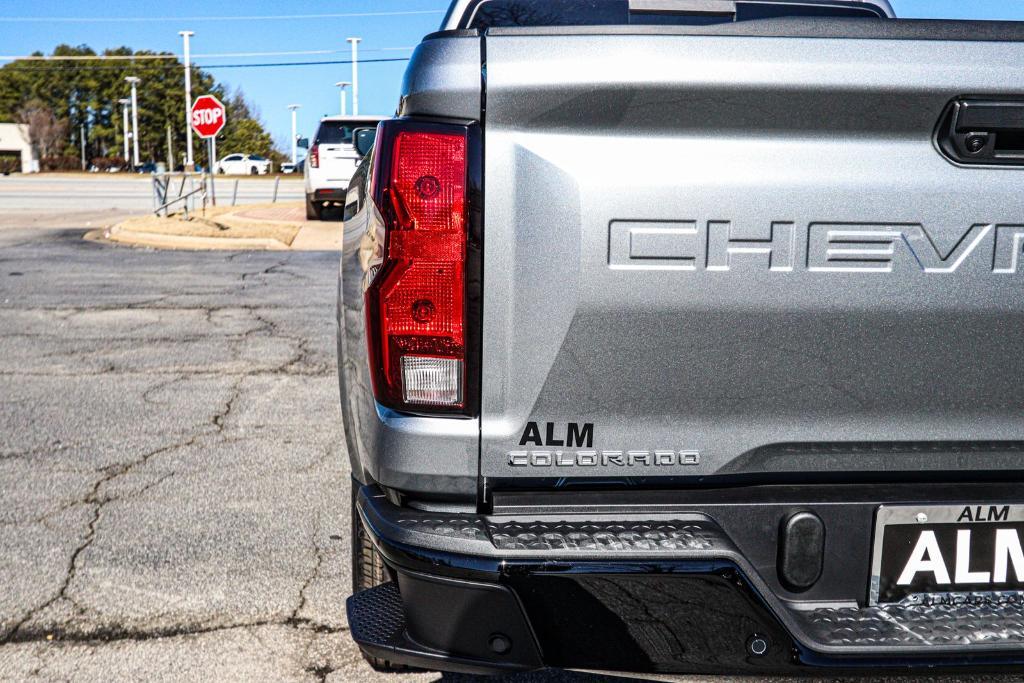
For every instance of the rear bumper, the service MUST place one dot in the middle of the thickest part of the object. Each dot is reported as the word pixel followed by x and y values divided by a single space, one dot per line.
pixel 327 178
pixel 328 194
pixel 663 592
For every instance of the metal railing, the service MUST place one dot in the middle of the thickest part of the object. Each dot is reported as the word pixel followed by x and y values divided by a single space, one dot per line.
pixel 190 191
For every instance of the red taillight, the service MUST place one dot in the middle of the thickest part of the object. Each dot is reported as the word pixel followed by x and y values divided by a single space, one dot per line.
pixel 416 312
pixel 314 156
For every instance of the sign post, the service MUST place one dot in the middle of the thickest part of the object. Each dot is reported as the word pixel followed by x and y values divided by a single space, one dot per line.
pixel 211 155
pixel 208 118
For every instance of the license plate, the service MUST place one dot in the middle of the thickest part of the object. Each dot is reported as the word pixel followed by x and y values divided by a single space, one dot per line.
pixel 948 554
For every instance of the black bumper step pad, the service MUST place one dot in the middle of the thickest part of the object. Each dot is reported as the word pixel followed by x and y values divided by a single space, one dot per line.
pixel 939 626
pixel 376 617
pixel 377 622
pixel 832 633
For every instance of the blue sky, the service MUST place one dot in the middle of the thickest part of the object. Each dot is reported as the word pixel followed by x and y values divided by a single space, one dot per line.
pixel 110 24
pixel 270 89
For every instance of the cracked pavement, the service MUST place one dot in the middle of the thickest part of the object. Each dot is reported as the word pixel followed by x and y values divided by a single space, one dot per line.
pixel 172 467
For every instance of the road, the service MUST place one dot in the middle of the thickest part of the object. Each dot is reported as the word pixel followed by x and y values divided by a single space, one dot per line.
pixel 172 466
pixel 120 193
pixel 173 470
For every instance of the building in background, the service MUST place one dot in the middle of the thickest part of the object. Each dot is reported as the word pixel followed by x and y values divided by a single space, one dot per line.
pixel 16 149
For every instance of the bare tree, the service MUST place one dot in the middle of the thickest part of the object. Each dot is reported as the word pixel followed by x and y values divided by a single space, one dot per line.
pixel 46 133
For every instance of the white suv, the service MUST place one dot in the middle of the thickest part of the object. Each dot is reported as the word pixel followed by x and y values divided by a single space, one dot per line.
pixel 332 160
pixel 243 164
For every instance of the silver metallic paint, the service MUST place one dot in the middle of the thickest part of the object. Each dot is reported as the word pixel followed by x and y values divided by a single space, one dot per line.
pixel 738 364
pixel 418 455
pixel 747 130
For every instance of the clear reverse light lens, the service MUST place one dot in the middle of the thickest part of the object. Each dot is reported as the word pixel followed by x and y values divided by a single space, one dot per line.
pixel 436 381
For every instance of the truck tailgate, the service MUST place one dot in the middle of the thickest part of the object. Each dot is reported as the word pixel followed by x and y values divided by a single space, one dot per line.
pixel 745 256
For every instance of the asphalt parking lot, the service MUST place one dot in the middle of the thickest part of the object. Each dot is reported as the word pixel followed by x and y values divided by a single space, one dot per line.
pixel 172 466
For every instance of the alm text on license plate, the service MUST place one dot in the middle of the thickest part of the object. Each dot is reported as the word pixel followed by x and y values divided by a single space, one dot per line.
pixel 948 554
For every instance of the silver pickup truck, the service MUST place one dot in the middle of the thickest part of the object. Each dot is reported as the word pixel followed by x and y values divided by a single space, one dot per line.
pixel 688 336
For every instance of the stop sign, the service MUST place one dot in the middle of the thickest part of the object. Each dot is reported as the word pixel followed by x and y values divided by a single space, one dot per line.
pixel 208 116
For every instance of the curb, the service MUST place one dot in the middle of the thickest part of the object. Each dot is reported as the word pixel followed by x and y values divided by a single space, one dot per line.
pixel 162 241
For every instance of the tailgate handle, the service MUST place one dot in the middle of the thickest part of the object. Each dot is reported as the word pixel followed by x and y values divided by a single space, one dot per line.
pixel 976 131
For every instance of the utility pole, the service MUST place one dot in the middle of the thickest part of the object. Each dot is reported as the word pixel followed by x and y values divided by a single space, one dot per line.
pixel 113 122
pixel 124 110
pixel 355 75
pixel 343 85
pixel 134 80
pixel 188 101
pixel 295 139
pixel 81 138
pixel 170 151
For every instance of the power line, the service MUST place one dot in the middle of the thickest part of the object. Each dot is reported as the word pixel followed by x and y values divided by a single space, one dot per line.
pixel 338 61
pixel 25 67
pixel 219 55
pixel 262 17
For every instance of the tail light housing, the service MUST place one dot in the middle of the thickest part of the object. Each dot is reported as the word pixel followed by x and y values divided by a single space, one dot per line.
pixel 314 156
pixel 422 287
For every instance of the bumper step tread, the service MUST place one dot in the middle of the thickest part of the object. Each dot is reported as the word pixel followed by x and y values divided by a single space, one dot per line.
pixel 473 534
pixel 979 626
pixel 653 536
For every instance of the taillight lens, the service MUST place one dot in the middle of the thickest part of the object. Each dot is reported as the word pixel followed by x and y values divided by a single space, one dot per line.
pixel 415 304
pixel 314 156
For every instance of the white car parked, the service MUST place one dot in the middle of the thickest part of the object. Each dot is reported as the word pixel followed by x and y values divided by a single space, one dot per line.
pixel 243 164
pixel 332 160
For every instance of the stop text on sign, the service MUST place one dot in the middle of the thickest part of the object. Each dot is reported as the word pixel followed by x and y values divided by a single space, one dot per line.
pixel 208 116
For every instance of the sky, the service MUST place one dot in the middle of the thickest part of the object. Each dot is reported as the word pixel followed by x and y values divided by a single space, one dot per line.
pixel 286 26
pixel 271 89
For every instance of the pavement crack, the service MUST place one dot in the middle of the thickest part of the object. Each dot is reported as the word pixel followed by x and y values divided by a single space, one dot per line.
pixel 148 393
pixel 320 672
pixel 97 501
pixel 48 449
pixel 236 393
pixel 318 554
pixel 151 364
pixel 269 270
pixel 299 363
pixel 69 576
pixel 118 634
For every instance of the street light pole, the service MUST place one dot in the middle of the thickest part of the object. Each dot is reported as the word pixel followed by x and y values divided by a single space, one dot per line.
pixel 343 85
pixel 124 110
pixel 134 80
pixel 189 164
pixel 355 75
pixel 295 140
